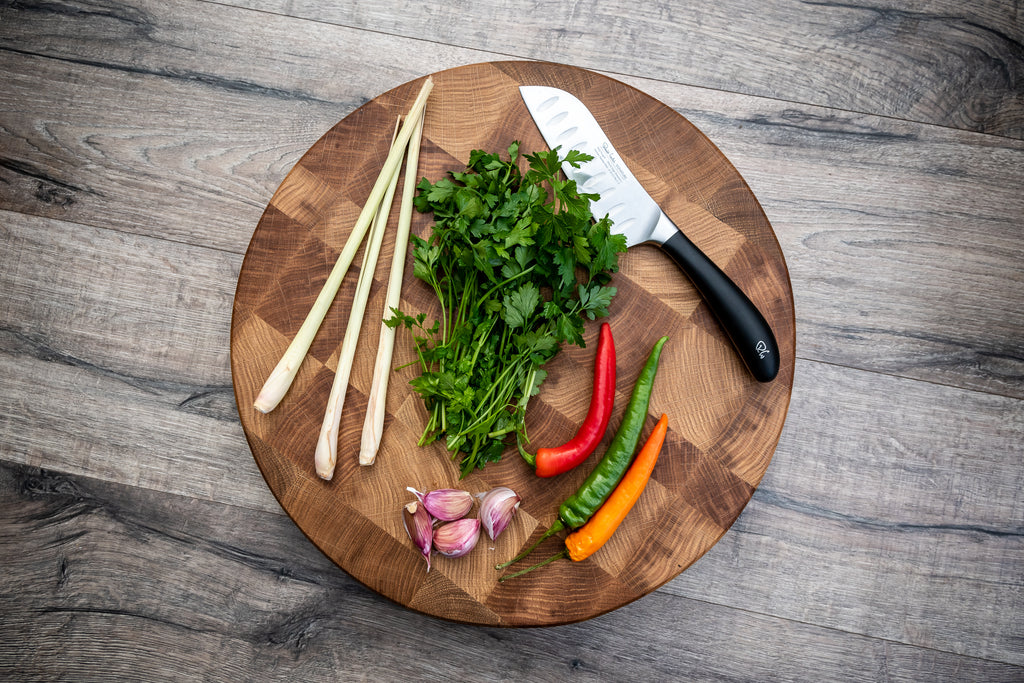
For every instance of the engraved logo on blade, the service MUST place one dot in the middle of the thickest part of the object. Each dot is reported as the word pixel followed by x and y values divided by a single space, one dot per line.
pixel 606 153
pixel 762 349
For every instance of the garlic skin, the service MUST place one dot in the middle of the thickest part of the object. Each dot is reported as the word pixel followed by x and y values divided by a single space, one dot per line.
pixel 420 527
pixel 457 538
pixel 497 508
pixel 446 505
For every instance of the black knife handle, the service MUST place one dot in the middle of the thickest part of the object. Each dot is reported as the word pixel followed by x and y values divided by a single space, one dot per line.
pixel 743 323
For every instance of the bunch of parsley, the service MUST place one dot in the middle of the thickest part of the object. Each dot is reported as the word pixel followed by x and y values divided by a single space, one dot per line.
pixel 516 260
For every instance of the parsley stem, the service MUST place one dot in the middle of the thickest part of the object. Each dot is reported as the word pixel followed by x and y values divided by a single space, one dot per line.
pixel 480 342
pixel 505 282
pixel 467 293
pixel 506 389
pixel 444 316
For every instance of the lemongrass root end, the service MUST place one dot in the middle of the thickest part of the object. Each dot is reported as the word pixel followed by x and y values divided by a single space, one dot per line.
pixel 368 448
pixel 325 459
pixel 276 386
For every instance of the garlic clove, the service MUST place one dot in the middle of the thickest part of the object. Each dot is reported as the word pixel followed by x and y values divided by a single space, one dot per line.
pixel 420 527
pixel 446 505
pixel 457 538
pixel 497 507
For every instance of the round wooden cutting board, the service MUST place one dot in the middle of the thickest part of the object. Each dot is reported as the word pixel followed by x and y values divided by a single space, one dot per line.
pixel 723 425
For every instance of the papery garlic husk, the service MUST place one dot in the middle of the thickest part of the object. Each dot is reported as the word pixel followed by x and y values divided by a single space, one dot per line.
pixel 497 507
pixel 457 538
pixel 446 505
pixel 420 527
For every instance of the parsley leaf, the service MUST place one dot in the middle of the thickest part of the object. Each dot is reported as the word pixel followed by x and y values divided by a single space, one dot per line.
pixel 520 304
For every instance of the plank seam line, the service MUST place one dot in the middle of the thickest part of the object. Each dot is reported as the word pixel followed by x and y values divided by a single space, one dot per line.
pixel 835 629
pixel 121 231
pixel 907 378
pixel 232 85
pixel 771 497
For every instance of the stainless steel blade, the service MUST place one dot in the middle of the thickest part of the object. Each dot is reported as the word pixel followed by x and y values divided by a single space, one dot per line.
pixel 566 122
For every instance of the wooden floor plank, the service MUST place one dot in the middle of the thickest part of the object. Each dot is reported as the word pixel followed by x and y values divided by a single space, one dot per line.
pixel 143 310
pixel 179 111
pixel 161 586
pixel 157 434
pixel 157 176
pixel 903 520
pixel 940 62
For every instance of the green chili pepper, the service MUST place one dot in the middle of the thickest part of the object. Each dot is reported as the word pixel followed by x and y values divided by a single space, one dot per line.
pixel 580 506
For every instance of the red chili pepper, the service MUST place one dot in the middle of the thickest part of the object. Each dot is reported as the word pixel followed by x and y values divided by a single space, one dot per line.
pixel 552 461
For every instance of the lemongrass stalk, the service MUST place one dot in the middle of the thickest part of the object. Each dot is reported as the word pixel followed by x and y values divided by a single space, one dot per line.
pixel 326 456
pixel 373 426
pixel 283 374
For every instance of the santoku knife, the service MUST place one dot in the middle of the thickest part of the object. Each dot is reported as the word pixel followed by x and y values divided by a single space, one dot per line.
pixel 566 122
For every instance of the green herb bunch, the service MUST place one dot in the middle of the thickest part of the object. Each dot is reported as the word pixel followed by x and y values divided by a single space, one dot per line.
pixel 516 260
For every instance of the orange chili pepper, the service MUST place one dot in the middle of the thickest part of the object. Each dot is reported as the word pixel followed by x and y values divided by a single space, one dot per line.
pixel 589 538
pixel 586 540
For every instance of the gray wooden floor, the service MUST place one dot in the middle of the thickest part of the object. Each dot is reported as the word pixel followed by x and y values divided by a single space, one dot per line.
pixel 139 143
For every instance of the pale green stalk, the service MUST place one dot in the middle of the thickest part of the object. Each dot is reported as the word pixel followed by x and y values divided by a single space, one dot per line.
pixel 326 456
pixel 373 426
pixel 284 372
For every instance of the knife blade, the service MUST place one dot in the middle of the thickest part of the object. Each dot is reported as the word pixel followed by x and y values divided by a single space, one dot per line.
pixel 564 121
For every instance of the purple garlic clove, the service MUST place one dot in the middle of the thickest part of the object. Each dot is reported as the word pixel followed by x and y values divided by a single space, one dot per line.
pixel 420 527
pixel 457 538
pixel 497 507
pixel 446 505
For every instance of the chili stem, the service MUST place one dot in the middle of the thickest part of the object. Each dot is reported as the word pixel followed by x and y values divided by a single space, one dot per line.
pixel 557 556
pixel 555 528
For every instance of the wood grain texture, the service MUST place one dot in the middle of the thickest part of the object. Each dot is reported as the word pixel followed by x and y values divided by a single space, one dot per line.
pixel 724 424
pixel 883 542
pixel 121 387
pixel 157 586
pixel 199 153
pixel 943 543
pixel 939 62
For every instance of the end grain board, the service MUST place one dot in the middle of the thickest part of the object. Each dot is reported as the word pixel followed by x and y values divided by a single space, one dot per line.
pixel 723 425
